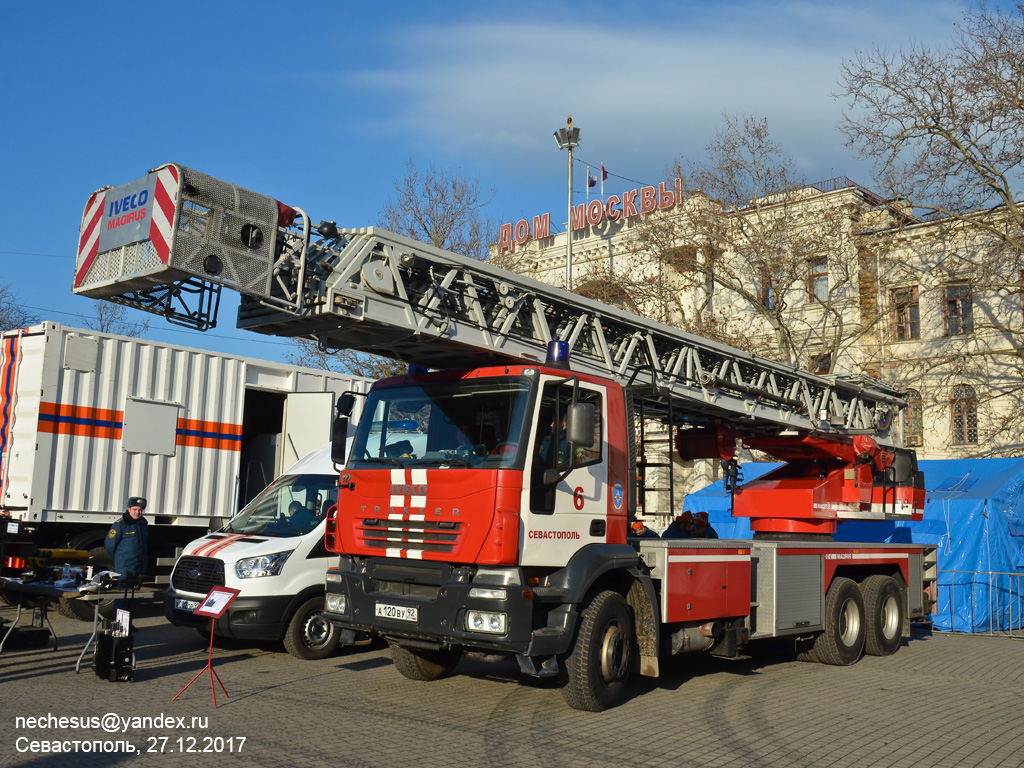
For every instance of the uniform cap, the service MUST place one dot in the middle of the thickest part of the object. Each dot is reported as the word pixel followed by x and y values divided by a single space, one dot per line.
pixel 136 501
pixel 684 518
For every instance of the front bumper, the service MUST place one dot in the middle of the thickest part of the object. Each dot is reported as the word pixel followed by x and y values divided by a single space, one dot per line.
pixel 442 599
pixel 248 618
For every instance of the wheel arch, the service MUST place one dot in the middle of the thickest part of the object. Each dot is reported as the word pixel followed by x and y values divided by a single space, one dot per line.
pixel 313 590
pixel 616 568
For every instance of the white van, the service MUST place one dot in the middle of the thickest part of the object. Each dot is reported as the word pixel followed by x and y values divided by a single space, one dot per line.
pixel 276 560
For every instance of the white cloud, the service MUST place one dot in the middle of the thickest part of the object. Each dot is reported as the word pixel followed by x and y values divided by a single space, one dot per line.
pixel 643 88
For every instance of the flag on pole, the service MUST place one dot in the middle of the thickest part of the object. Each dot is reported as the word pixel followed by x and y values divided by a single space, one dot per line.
pixel 604 173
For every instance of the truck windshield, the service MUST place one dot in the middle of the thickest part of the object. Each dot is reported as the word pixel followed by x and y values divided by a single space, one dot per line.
pixel 292 505
pixel 458 424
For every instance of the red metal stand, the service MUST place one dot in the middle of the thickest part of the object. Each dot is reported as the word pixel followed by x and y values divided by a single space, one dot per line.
pixel 213 674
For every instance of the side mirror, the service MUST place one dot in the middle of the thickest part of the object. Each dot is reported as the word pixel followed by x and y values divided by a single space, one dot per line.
pixel 345 403
pixel 216 523
pixel 579 425
pixel 339 430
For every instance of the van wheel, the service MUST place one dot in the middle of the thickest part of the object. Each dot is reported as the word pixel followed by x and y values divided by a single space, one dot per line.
pixel 883 610
pixel 422 665
pixel 309 634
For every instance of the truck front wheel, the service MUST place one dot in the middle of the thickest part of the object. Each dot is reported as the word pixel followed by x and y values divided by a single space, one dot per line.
pixel 842 642
pixel 883 609
pixel 309 635
pixel 597 668
pixel 422 665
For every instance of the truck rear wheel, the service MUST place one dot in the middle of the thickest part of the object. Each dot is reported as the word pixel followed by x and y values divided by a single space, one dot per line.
pixel 842 642
pixel 100 560
pixel 422 665
pixel 597 669
pixel 883 611
pixel 309 634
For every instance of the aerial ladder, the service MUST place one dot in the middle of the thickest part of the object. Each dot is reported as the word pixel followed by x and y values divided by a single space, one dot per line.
pixel 170 242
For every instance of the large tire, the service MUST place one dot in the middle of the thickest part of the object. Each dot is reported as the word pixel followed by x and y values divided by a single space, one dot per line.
pixel 597 669
pixel 883 611
pixel 842 642
pixel 100 560
pixel 309 634
pixel 421 665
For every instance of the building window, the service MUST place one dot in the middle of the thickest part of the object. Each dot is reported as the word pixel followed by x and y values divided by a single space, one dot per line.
pixel 767 292
pixel 913 434
pixel 817 280
pixel 682 259
pixel 965 415
pixel 1022 289
pixel 957 309
pixel 906 314
pixel 822 363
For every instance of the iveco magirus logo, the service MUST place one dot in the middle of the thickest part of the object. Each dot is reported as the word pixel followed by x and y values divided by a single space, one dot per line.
pixel 192 573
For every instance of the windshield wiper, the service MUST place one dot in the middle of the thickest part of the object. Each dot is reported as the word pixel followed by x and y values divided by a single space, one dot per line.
pixel 381 460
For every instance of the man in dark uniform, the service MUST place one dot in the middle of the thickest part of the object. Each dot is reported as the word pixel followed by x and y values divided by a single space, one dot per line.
pixel 641 531
pixel 679 528
pixel 701 528
pixel 127 542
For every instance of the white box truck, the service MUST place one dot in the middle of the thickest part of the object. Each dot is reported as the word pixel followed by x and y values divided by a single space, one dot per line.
pixel 88 419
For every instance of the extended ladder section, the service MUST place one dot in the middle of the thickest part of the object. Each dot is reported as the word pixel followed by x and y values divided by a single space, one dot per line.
pixel 168 243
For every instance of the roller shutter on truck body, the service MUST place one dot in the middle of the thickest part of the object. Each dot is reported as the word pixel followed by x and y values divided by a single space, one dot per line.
pixel 88 418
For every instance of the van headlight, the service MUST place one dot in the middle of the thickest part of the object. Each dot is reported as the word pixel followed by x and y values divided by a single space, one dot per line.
pixel 264 565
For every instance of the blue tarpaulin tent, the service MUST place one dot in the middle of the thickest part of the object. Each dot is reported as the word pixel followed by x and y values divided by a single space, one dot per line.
pixel 973 515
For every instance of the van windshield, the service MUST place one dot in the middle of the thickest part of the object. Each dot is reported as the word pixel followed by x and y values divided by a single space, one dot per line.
pixel 292 505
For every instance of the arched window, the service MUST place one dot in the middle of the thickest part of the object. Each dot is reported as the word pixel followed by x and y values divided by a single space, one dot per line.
pixel 913 434
pixel 604 290
pixel 964 405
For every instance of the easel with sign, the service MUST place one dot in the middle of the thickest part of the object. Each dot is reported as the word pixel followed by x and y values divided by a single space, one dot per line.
pixel 213 606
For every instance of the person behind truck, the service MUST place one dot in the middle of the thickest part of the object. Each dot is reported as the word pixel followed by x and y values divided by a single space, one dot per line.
pixel 128 542
pixel 700 528
pixel 679 528
pixel 641 531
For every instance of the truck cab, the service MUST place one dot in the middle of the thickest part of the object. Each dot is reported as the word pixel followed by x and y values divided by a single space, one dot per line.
pixel 273 552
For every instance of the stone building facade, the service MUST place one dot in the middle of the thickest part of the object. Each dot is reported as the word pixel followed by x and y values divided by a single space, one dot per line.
pixel 829 277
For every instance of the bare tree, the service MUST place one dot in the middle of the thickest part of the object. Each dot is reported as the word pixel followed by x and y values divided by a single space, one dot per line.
pixel 439 207
pixel 108 317
pixel 945 126
pixel 434 206
pixel 945 130
pixel 311 355
pixel 759 258
pixel 12 313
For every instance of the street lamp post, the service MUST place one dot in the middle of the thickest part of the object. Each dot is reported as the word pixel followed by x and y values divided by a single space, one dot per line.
pixel 567 138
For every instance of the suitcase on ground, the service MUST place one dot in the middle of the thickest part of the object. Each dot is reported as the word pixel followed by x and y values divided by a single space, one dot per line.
pixel 114 657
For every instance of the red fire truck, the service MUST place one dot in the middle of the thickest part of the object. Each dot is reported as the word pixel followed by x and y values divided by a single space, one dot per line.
pixel 485 507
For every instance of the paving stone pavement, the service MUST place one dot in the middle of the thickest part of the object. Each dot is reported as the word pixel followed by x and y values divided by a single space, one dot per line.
pixel 942 700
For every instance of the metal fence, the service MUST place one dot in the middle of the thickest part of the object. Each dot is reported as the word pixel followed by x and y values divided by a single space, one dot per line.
pixel 981 602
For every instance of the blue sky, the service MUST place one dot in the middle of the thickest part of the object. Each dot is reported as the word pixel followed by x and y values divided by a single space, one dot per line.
pixel 321 104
